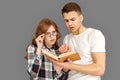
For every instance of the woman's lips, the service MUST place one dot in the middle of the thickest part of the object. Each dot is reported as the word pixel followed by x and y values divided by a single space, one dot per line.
pixel 52 40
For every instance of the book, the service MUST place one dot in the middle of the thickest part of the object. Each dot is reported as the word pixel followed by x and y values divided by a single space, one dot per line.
pixel 62 57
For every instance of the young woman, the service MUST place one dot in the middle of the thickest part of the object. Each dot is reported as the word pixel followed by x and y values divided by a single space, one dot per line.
pixel 39 66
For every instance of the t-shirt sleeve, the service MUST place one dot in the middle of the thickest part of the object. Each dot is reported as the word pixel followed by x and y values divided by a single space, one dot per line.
pixel 98 42
pixel 66 38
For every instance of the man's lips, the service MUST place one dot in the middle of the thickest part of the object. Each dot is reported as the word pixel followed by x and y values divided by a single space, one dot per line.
pixel 71 28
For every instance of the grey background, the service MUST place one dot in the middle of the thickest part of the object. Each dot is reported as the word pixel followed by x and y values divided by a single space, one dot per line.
pixel 19 19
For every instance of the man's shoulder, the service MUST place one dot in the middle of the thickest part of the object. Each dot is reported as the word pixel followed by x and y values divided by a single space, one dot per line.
pixel 94 30
pixel 68 35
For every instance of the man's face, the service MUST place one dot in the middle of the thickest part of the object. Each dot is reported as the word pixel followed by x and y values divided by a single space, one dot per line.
pixel 73 21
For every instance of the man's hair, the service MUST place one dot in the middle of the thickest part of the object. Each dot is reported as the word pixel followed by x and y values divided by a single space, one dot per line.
pixel 71 6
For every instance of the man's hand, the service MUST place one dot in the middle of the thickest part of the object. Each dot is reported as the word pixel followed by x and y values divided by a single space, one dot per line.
pixel 64 48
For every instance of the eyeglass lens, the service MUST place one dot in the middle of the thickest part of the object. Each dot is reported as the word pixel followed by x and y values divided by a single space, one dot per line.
pixel 48 34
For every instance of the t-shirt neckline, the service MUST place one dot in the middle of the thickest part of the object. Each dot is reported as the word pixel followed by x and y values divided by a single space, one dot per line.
pixel 81 33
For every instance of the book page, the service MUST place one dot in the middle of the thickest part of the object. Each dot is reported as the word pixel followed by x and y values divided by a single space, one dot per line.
pixel 71 55
pixel 66 54
pixel 62 57
pixel 49 54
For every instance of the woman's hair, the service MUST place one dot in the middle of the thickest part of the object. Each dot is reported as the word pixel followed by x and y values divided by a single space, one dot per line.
pixel 43 26
pixel 71 6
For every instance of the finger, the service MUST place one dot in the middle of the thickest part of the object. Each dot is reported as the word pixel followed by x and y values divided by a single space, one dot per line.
pixel 60 48
pixel 69 49
pixel 69 60
pixel 55 62
pixel 40 41
pixel 63 48
pixel 42 35
pixel 40 38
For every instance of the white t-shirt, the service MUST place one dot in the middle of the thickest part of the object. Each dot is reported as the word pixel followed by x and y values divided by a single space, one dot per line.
pixel 91 40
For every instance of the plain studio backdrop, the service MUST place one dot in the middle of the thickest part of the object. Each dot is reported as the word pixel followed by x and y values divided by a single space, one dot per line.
pixel 19 19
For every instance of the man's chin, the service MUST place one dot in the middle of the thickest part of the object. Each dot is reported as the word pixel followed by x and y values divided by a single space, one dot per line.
pixel 72 31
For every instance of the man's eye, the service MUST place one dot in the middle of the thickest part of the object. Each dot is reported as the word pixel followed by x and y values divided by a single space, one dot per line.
pixel 66 20
pixel 73 19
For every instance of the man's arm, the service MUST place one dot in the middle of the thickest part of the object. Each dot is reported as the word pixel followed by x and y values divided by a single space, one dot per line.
pixel 96 68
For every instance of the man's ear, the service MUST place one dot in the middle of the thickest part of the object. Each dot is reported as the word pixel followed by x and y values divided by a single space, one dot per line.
pixel 81 18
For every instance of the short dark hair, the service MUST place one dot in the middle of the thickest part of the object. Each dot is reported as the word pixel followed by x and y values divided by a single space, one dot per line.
pixel 71 6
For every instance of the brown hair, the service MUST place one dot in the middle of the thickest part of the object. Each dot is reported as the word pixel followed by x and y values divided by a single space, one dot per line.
pixel 71 6
pixel 43 26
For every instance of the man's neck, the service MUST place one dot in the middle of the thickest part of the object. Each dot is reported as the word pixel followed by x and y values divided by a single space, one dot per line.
pixel 80 30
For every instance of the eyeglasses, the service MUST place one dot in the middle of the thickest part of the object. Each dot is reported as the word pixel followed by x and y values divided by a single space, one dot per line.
pixel 48 34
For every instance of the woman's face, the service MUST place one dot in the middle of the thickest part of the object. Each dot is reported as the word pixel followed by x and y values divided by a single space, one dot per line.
pixel 50 36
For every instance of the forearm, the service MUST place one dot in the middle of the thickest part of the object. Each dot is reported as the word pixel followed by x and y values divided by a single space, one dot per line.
pixel 34 66
pixel 34 61
pixel 92 69
pixel 38 51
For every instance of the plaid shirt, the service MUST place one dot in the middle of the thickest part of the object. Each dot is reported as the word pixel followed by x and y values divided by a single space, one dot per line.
pixel 40 67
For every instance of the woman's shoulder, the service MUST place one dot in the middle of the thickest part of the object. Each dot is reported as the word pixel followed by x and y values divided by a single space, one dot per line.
pixel 31 48
pixel 32 45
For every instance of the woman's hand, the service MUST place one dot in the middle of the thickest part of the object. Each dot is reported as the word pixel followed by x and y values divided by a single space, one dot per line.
pixel 58 68
pixel 39 42
pixel 63 65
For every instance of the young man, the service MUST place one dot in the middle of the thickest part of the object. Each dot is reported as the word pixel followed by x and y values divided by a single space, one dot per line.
pixel 89 42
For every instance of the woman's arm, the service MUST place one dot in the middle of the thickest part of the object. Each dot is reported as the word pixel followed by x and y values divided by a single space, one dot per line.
pixel 34 60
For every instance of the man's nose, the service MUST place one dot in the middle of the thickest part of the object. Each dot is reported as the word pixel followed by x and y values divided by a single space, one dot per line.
pixel 69 23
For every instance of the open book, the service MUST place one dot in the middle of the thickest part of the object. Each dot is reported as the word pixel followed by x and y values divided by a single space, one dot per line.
pixel 62 57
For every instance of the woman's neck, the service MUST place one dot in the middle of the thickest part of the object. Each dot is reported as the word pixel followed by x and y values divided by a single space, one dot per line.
pixel 48 46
